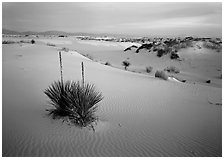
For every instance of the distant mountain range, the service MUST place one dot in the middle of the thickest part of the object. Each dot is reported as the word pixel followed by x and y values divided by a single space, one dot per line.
pixel 54 32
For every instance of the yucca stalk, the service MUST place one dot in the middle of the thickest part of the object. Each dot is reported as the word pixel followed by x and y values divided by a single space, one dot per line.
pixel 82 73
pixel 60 58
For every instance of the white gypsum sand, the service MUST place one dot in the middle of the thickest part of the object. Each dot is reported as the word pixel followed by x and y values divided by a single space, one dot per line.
pixel 139 116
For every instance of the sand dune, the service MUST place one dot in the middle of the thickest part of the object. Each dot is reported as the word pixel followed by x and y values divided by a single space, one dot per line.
pixel 197 65
pixel 139 116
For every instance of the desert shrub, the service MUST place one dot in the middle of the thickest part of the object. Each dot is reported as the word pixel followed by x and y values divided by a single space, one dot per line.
pixel 161 74
pixel 8 42
pixel 50 44
pixel 24 41
pixel 108 64
pixel 160 52
pixel 183 44
pixel 32 41
pixel 172 69
pixel 174 55
pixel 126 64
pixel 213 46
pixel 88 56
pixel 186 44
pixel 149 69
pixel 73 101
pixel 65 49
pixel 167 49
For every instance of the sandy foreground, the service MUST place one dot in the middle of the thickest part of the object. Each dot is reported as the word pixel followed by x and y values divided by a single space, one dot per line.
pixel 139 116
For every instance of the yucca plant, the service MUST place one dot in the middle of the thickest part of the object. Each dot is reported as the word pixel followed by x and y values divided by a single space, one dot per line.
pixel 74 101
pixel 57 92
pixel 84 99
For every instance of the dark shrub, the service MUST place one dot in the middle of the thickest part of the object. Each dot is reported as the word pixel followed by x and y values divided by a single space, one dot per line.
pixel 174 55
pixel 167 49
pixel 8 42
pixel 25 41
pixel 161 74
pixel 160 52
pixel 172 69
pixel 213 46
pixel 73 101
pixel 126 64
pixel 108 64
pixel 50 44
pixel 32 41
pixel 149 69
pixel 65 49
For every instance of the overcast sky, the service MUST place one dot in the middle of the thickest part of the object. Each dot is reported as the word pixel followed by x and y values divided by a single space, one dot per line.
pixel 157 19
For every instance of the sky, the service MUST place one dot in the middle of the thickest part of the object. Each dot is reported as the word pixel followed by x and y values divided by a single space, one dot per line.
pixel 143 19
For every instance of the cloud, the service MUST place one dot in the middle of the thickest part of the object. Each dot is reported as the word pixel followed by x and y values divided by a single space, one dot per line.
pixel 121 18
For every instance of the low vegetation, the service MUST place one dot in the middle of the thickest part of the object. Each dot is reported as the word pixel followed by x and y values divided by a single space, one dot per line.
pixel 17 42
pixel 8 42
pixel 172 69
pixel 174 55
pixel 161 74
pixel 213 46
pixel 108 64
pixel 65 49
pixel 50 44
pixel 126 64
pixel 149 69
pixel 73 101
pixel 88 56
pixel 33 41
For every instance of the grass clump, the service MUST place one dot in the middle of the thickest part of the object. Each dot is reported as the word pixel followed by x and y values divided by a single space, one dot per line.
pixel 33 41
pixel 50 44
pixel 25 41
pixel 8 42
pixel 172 69
pixel 65 49
pixel 126 64
pixel 88 56
pixel 161 74
pixel 74 101
pixel 174 55
pixel 149 69
pixel 108 64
